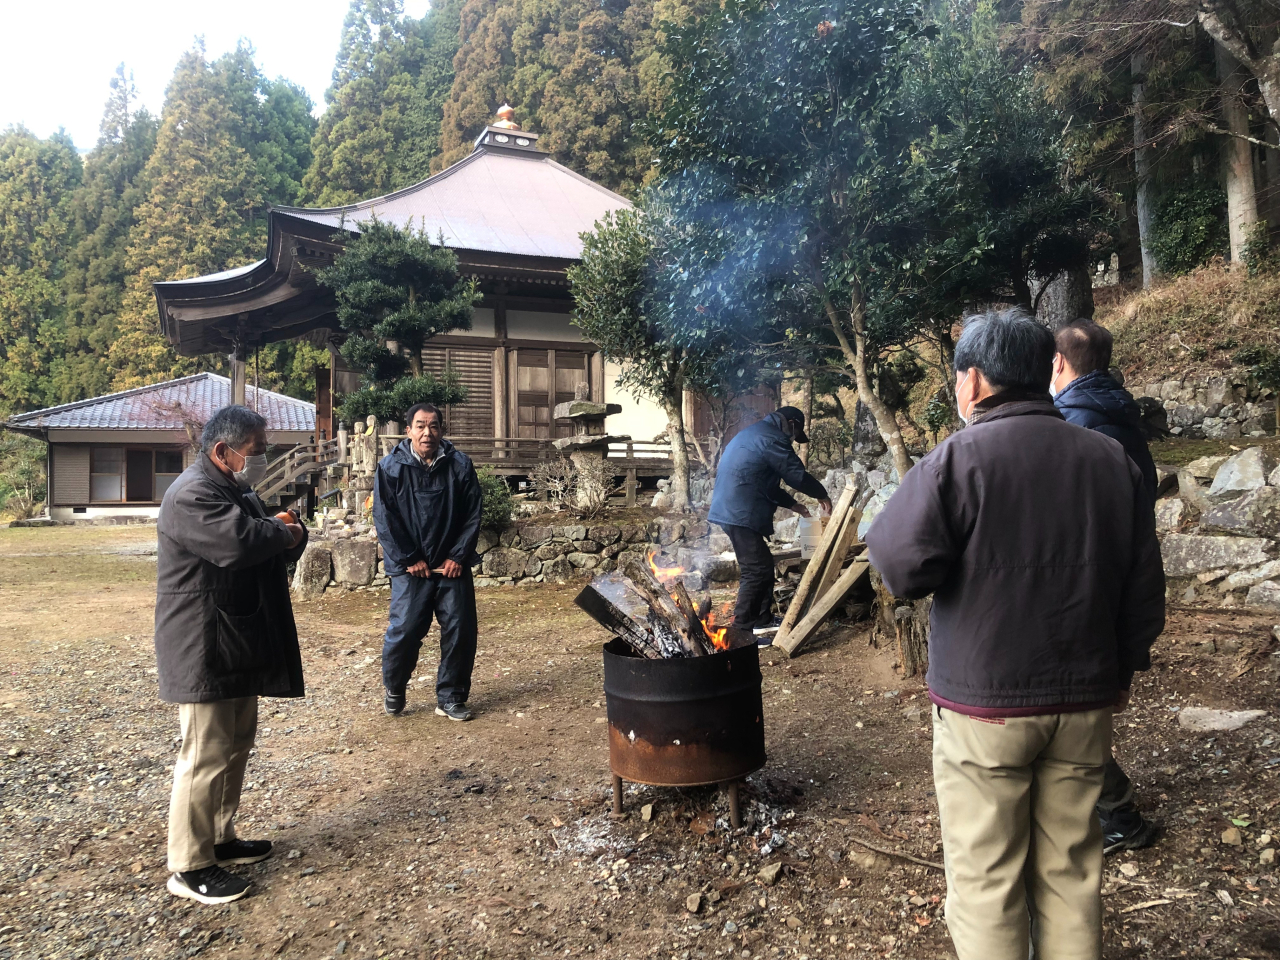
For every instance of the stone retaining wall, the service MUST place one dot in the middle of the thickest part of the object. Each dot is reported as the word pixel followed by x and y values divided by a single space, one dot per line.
pixel 1213 408
pixel 348 557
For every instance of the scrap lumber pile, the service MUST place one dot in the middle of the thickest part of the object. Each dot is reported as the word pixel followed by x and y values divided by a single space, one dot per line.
pixel 827 582
pixel 648 606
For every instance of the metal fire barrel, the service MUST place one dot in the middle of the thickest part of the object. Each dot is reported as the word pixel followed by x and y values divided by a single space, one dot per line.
pixel 684 722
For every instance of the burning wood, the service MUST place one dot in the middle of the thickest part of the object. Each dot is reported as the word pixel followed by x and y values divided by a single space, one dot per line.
pixel 649 607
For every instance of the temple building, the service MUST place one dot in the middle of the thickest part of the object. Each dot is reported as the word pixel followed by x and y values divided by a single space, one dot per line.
pixel 514 217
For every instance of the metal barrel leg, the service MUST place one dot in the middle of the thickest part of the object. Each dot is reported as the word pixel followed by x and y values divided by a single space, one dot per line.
pixel 617 796
pixel 735 811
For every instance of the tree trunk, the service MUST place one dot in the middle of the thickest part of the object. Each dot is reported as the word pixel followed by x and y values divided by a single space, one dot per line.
pixel 1222 26
pixel 808 416
pixel 679 455
pixel 1142 169
pixel 1237 154
pixel 904 623
pixel 1066 298
pixel 855 355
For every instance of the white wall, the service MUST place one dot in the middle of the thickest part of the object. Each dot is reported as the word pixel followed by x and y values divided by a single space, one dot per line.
pixel 640 419
pixel 530 325
pixel 124 510
pixel 482 324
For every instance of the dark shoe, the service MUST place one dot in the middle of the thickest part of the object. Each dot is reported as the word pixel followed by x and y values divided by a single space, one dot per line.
pixel 765 632
pixel 211 886
pixel 393 703
pixel 454 711
pixel 1124 828
pixel 242 851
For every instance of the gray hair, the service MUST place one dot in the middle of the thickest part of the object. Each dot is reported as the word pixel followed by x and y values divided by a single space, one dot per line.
pixel 234 425
pixel 1011 349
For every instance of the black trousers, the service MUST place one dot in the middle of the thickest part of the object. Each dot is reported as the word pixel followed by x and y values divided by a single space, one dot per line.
pixel 755 577
pixel 1117 788
pixel 414 601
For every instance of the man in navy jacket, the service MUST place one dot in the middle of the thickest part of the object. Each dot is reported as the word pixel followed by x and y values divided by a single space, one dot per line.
pixel 1087 395
pixel 745 498
pixel 426 508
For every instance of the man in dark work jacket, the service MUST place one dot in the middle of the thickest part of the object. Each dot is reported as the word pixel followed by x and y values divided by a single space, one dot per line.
pixel 426 508
pixel 745 498
pixel 1087 395
pixel 1038 544
pixel 224 637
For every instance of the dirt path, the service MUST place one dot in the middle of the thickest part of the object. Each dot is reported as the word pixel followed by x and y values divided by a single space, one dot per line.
pixel 424 838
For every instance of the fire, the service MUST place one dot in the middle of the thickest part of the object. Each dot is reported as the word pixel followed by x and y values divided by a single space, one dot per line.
pixel 663 573
pixel 718 635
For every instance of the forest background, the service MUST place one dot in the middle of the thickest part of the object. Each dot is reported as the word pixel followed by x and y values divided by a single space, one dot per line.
pixel 1167 107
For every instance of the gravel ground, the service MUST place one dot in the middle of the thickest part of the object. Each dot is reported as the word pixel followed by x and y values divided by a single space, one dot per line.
pixel 418 837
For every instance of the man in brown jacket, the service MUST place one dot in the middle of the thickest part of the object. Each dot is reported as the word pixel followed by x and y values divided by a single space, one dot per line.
pixel 1038 544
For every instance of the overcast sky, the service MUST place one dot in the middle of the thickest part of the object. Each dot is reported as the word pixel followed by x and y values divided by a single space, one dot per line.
pixel 60 55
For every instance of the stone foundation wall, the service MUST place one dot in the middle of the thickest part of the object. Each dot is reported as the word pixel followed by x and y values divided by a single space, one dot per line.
pixel 345 555
pixel 1213 408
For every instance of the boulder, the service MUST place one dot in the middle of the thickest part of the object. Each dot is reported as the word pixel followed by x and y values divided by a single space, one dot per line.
pixel 1205 468
pixel 586 546
pixel 604 535
pixel 549 551
pixel 1244 579
pixel 635 535
pixel 1186 555
pixel 506 562
pixel 487 540
pixel 532 536
pixel 558 570
pixel 314 570
pixel 719 542
pixel 1216 428
pixel 613 549
pixel 1170 514
pixel 354 561
pixel 1191 493
pixel 784 531
pixel 583 561
pixel 1166 480
pixel 1245 471
pixel 1256 514
pixel 575 531
pixel 510 536
pixel 720 569
pixel 1265 595
pixel 1206 720
pixel 874 506
pixel 1274 477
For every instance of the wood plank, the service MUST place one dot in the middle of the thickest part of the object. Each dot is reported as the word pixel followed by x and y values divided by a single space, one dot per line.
pixel 823 608
pixel 817 562
pixel 846 539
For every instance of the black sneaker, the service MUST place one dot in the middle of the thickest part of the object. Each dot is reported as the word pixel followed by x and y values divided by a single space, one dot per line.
pixel 1124 828
pixel 454 711
pixel 393 703
pixel 765 632
pixel 211 886
pixel 242 851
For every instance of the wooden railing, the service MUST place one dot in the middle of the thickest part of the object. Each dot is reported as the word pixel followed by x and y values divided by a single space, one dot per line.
pixel 515 451
pixel 301 459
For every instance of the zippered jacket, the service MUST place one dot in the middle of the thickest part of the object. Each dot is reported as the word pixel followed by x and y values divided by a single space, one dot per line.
pixel 1038 543
pixel 1096 401
pixel 426 513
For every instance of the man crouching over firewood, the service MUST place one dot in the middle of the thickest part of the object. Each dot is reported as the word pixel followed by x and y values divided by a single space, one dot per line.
pixel 743 503
pixel 1038 544
pixel 426 508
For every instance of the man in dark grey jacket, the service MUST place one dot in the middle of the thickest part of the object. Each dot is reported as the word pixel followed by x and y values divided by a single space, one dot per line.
pixel 224 637
pixel 426 508
pixel 745 498
pixel 1038 544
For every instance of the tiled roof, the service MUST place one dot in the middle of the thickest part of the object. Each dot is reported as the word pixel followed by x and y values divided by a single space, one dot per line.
pixel 165 406
pixel 492 201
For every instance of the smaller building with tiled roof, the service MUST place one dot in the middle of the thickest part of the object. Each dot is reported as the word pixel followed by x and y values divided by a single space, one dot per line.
pixel 116 455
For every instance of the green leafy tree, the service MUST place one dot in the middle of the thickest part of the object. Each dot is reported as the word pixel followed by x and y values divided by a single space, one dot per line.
pixel 96 274
pixel 1190 228
pixel 395 290
pixel 496 502
pixel 22 475
pixel 38 179
pixel 382 125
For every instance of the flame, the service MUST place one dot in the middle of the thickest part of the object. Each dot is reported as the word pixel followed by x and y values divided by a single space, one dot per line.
pixel 663 573
pixel 718 635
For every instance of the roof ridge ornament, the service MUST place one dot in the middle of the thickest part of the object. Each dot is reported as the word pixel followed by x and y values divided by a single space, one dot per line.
pixel 506 118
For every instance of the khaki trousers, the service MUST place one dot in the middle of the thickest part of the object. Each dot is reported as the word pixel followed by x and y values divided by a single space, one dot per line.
pixel 207 778
pixel 1021 841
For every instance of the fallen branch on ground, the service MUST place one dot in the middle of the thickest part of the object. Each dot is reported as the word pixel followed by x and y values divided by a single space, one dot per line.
pixel 895 853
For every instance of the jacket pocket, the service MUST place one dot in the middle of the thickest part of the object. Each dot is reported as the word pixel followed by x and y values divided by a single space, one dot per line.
pixel 246 643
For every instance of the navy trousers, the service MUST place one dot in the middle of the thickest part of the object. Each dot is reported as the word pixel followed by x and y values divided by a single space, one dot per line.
pixel 754 607
pixel 414 601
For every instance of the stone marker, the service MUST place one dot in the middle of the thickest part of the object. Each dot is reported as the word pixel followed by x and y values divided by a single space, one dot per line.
pixel 1206 720
pixel 313 571
pixel 354 561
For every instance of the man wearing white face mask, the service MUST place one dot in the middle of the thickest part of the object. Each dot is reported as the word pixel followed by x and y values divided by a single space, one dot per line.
pixel 224 636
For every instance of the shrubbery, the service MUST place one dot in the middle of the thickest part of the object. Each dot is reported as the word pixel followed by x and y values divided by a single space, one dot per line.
pixel 1190 228
pixel 496 501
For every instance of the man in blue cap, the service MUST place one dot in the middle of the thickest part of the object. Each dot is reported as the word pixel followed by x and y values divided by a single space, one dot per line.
pixel 744 500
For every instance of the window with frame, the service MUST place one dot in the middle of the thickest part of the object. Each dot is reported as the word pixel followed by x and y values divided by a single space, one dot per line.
pixel 168 467
pixel 106 474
